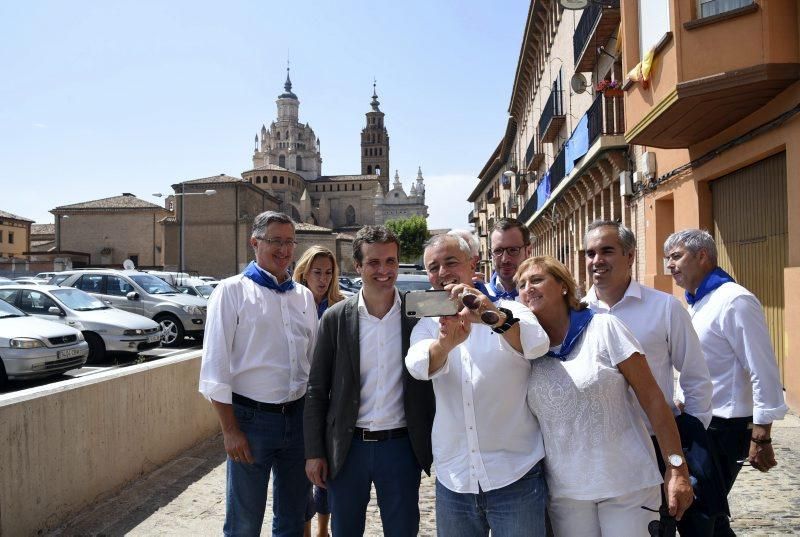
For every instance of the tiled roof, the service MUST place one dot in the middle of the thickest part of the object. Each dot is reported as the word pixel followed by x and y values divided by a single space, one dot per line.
pixel 221 178
pixel 124 202
pixel 4 214
pixel 43 229
pixel 346 178
pixel 302 226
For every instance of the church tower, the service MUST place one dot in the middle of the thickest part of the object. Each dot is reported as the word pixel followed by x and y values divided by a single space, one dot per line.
pixel 375 144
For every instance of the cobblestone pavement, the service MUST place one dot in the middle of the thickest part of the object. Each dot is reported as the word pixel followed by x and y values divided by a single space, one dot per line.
pixel 187 497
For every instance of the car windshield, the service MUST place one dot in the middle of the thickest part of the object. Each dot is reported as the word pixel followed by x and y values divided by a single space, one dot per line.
pixel 7 310
pixel 412 285
pixel 56 280
pixel 204 290
pixel 78 300
pixel 153 285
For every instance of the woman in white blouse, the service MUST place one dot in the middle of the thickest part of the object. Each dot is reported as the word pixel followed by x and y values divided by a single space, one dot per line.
pixel 600 465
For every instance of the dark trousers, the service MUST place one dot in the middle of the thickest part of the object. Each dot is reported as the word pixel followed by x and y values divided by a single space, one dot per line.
pixel 730 438
pixel 392 467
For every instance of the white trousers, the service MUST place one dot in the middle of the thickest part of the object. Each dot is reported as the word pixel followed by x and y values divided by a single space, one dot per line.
pixel 621 516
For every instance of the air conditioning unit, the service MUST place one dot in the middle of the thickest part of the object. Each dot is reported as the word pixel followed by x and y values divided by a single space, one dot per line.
pixel 638 177
pixel 625 184
pixel 647 164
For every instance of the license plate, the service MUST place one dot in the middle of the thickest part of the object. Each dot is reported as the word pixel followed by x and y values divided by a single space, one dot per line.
pixel 151 339
pixel 69 353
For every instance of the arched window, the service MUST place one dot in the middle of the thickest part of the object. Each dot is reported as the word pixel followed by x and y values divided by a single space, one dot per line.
pixel 337 188
pixel 280 179
pixel 258 179
pixel 316 188
pixel 366 152
pixel 274 178
pixel 359 186
pixel 277 135
pixel 299 163
pixel 350 216
pixel 282 161
pixel 380 151
pixel 369 170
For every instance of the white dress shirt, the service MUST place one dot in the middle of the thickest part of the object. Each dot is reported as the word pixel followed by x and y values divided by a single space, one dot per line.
pixel 381 367
pixel 258 342
pixel 483 432
pixel 664 329
pixel 734 336
pixel 596 443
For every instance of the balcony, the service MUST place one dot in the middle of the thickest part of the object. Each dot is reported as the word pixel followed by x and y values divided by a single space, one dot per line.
pixel 482 207
pixel 534 154
pixel 520 184
pixel 493 195
pixel 552 117
pixel 472 216
pixel 713 72
pixel 557 170
pixel 606 117
pixel 598 23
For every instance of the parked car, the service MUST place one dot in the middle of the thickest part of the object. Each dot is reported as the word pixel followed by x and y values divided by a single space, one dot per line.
pixel 195 287
pixel 207 278
pixel 58 278
pixel 104 328
pixel 412 282
pixel 139 292
pixel 45 275
pixel 31 347
pixel 347 284
pixel 30 281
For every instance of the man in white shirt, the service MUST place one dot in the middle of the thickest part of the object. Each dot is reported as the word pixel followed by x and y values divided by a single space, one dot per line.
pixel 367 421
pixel 730 322
pixel 487 446
pixel 510 246
pixel 257 348
pixel 657 320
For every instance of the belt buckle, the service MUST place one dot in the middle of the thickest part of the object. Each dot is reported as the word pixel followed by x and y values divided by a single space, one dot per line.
pixel 364 436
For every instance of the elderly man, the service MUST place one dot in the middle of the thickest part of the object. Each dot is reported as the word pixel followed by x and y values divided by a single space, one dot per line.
pixel 367 421
pixel 487 446
pixel 730 322
pixel 510 246
pixel 256 358
pixel 660 324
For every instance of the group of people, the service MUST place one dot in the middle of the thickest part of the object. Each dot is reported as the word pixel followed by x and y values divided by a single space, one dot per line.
pixel 542 412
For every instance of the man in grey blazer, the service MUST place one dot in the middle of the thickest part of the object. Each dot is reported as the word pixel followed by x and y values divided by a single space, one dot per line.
pixel 367 421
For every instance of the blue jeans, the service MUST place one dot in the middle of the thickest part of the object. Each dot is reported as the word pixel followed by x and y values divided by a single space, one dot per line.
pixel 393 468
pixel 515 510
pixel 276 442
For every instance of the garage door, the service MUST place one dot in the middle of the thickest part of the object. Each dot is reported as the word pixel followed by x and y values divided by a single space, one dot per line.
pixel 751 230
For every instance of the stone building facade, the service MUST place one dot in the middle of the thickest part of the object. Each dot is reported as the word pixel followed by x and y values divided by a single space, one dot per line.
pixel 15 233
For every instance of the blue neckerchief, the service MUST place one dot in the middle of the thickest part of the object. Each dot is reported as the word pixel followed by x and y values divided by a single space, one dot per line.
pixel 510 295
pixel 254 273
pixel 321 307
pixel 713 279
pixel 578 321
pixel 480 286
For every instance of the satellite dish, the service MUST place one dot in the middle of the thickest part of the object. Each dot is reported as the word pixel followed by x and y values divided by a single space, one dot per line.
pixel 578 83
pixel 573 4
pixel 128 265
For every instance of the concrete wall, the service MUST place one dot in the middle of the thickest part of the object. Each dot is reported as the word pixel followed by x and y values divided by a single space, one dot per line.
pixel 67 444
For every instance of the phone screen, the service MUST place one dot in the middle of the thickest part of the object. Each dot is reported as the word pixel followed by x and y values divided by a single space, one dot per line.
pixel 430 303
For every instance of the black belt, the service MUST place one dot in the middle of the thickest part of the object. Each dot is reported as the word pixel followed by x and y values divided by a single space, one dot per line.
pixel 277 408
pixel 379 436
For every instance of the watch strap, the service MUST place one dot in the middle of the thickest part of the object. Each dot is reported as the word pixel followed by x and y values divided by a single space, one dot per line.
pixel 508 323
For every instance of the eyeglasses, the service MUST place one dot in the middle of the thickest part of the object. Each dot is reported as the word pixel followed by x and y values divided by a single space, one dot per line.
pixel 277 243
pixel 512 251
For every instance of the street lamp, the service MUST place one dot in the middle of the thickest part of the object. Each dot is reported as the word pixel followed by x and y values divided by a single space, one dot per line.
pixel 182 194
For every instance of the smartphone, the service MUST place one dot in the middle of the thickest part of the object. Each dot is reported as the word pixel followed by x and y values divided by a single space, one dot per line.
pixel 430 303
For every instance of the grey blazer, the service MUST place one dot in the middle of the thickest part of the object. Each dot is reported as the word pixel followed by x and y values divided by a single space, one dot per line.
pixel 334 391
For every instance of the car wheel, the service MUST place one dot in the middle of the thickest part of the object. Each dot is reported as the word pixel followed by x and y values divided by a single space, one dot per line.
pixel 171 330
pixel 97 348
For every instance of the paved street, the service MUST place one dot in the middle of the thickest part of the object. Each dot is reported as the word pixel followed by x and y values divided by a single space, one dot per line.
pixel 186 497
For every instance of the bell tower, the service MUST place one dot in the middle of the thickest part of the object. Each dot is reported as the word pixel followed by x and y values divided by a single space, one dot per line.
pixel 375 144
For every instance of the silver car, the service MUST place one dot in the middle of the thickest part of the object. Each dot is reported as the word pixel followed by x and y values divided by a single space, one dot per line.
pixel 104 328
pixel 139 292
pixel 31 347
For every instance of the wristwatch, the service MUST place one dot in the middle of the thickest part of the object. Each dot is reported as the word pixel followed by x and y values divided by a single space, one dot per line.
pixel 508 323
pixel 675 460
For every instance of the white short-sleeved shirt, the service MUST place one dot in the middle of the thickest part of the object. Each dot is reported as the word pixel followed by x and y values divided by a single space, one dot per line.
pixel 596 445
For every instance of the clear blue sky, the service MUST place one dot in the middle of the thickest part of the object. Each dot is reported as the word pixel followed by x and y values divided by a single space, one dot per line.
pixel 100 98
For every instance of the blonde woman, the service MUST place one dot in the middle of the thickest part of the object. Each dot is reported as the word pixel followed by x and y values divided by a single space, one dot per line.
pixel 317 270
pixel 600 464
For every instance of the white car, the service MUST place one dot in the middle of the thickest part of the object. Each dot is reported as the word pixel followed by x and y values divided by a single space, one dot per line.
pixel 31 347
pixel 104 328
pixel 195 287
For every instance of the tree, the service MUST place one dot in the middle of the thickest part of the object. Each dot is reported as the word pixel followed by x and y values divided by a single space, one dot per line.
pixel 412 234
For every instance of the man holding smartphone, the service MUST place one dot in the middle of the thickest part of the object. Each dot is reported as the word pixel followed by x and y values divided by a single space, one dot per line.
pixel 488 446
pixel 367 421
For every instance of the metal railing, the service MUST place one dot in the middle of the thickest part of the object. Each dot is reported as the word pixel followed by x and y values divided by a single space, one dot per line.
pixel 553 107
pixel 585 29
pixel 606 115
pixel 534 148
pixel 557 170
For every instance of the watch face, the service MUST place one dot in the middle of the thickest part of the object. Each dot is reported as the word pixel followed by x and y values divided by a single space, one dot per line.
pixel 675 460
